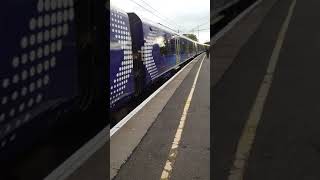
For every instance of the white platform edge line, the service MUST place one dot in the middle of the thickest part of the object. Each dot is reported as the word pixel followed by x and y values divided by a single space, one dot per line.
pixel 222 32
pixel 224 7
pixel 86 151
pixel 138 108
pixel 80 156
pixel 217 19
pixel 172 156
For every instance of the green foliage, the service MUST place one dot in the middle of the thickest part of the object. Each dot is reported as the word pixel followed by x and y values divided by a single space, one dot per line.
pixel 191 36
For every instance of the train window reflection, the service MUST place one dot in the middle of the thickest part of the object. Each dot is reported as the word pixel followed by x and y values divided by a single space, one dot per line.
pixel 166 44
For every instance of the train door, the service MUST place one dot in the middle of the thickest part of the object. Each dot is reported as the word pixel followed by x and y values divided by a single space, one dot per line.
pixel 137 35
pixel 195 49
pixel 177 50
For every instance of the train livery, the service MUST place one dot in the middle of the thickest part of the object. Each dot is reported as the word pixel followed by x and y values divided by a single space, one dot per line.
pixel 38 57
pixel 53 63
pixel 141 52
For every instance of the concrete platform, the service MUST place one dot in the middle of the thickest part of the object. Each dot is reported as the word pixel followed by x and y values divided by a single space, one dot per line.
pixel 91 161
pixel 140 149
pixel 227 44
pixel 287 140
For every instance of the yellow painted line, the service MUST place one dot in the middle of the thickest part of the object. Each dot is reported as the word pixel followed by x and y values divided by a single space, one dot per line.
pixel 249 131
pixel 167 170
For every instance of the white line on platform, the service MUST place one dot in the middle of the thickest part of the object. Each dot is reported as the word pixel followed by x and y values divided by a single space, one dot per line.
pixel 167 170
pixel 216 20
pixel 233 22
pixel 70 165
pixel 217 11
pixel 249 131
pixel 138 108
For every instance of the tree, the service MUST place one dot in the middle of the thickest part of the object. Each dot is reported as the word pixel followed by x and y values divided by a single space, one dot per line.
pixel 191 36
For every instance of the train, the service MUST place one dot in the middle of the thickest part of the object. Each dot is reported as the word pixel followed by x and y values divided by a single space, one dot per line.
pixel 31 70
pixel 56 69
pixel 141 52
pixel 53 76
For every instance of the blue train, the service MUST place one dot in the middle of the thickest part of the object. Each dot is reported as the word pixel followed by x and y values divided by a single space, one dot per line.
pixel 53 63
pixel 38 56
pixel 142 52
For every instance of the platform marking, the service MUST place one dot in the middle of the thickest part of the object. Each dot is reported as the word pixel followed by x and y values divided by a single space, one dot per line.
pixel 77 159
pixel 249 131
pixel 123 121
pixel 175 144
pixel 216 20
pixel 230 25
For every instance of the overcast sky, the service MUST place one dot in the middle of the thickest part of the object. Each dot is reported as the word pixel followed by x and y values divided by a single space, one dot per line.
pixel 184 15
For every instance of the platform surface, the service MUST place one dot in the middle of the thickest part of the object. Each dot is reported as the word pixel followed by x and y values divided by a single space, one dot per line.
pixel 193 160
pixel 287 140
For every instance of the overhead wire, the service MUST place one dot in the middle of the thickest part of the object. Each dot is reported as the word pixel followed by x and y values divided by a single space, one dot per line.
pixel 199 26
pixel 151 12
pixel 168 21
pixel 177 24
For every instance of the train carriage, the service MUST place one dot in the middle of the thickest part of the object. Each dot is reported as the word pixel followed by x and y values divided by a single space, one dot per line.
pixel 45 72
pixel 121 58
pixel 142 52
pixel 158 51
pixel 36 61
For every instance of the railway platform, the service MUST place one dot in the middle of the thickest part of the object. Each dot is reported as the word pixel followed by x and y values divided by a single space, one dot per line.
pixel 170 134
pixel 265 94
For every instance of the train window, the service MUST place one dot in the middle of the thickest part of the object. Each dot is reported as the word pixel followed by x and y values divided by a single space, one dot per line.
pixel 183 46
pixel 160 40
pixel 186 46
pixel 166 44
pixel 190 44
pixel 173 45
pixel 170 44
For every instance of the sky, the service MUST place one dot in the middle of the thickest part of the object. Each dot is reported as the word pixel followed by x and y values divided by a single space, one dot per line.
pixel 182 15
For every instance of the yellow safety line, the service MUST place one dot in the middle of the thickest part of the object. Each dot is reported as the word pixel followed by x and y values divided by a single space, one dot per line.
pixel 249 131
pixel 167 170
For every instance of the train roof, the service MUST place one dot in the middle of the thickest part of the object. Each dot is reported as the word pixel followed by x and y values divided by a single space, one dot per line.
pixel 164 28
pixel 117 9
pixel 158 25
